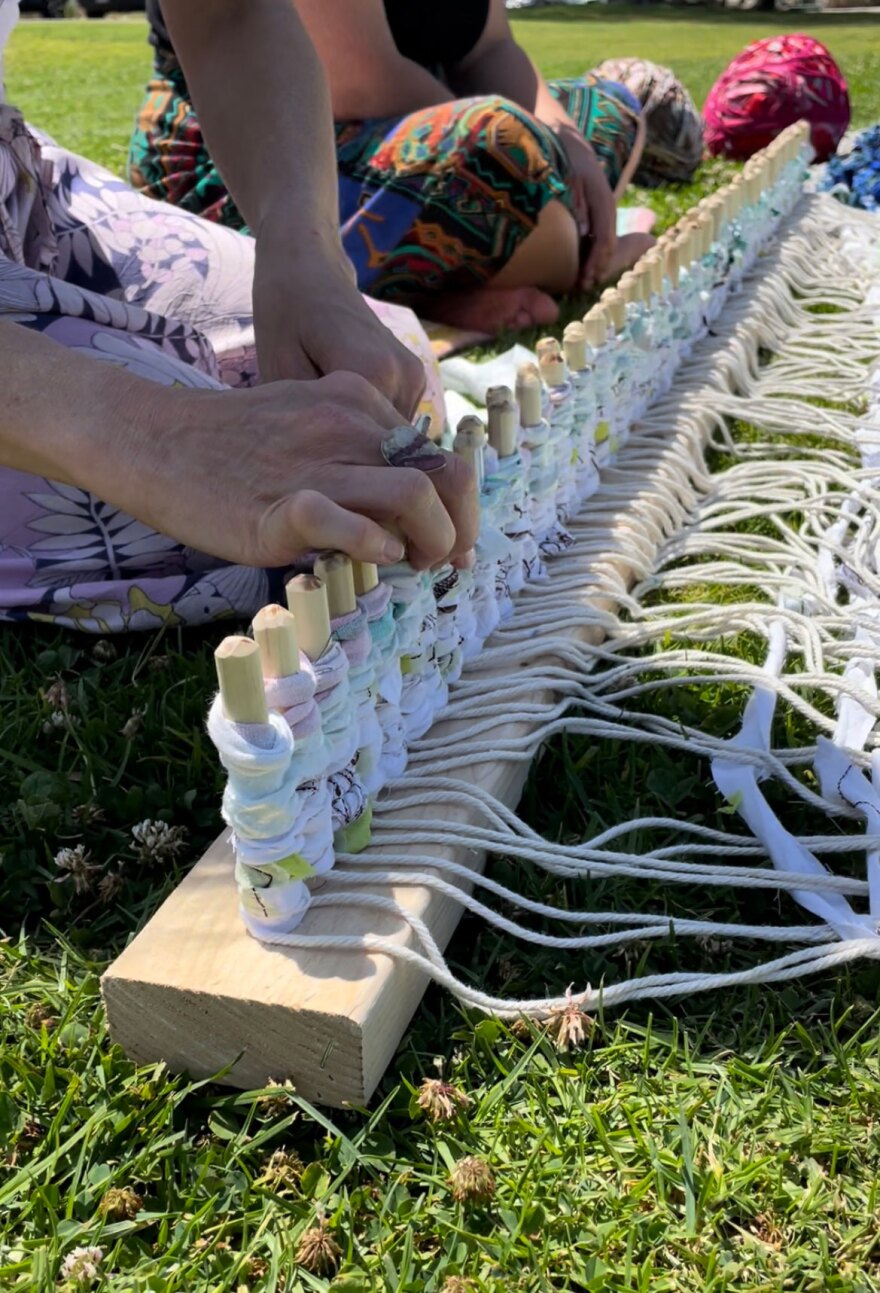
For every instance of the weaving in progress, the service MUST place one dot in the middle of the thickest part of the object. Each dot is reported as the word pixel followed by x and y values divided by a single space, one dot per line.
pixel 376 732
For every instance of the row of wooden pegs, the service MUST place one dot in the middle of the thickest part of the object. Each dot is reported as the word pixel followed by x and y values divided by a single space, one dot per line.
pixel 280 633
pixel 332 590
pixel 693 235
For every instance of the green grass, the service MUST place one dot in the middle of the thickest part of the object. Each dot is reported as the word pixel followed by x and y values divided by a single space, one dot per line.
pixel 721 1143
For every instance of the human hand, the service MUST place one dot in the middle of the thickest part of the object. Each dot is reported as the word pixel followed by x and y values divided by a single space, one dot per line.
pixel 594 203
pixel 311 321
pixel 260 476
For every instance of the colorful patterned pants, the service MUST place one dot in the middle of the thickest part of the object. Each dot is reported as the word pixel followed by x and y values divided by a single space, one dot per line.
pixel 167 296
pixel 434 201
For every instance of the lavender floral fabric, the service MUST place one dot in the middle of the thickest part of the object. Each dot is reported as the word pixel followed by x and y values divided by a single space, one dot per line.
pixel 165 295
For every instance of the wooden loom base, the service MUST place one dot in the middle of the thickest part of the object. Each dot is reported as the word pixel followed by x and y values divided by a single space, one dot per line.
pixel 195 990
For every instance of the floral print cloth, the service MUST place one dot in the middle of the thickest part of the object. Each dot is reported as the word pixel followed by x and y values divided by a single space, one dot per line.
pixel 104 271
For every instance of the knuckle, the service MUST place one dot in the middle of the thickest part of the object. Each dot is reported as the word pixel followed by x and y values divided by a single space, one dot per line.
pixel 415 489
pixel 349 387
pixel 305 509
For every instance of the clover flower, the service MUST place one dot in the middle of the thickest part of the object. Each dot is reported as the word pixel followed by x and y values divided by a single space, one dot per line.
pixel 120 1204
pixel 155 842
pixel 568 1025
pixel 440 1100
pixel 472 1181
pixel 82 1266
pixel 318 1251
pixel 78 867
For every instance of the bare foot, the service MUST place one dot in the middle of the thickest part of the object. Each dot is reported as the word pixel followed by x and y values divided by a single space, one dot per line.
pixel 491 310
pixel 628 248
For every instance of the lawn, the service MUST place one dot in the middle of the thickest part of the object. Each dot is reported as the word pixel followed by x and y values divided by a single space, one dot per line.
pixel 721 1143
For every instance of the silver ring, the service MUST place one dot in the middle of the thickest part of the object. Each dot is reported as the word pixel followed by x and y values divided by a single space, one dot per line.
pixel 410 446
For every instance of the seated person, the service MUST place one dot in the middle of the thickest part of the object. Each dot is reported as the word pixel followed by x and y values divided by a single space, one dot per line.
pixel 136 488
pixel 469 187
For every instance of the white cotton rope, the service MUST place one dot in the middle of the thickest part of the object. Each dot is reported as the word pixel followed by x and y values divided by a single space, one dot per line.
pixel 792 526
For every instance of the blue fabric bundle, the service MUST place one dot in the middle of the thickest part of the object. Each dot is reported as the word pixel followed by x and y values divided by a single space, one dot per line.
pixel 854 177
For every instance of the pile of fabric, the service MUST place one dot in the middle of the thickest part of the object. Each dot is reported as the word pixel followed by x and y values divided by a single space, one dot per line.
pixel 853 177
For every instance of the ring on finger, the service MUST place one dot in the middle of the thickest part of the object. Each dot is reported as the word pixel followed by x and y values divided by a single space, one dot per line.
pixel 410 446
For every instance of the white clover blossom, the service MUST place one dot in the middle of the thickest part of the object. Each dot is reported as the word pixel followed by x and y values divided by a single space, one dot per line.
pixel 77 864
pixel 156 842
pixel 82 1265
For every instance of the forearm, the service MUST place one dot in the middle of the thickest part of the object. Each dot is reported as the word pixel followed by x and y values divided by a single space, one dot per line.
pixel 68 417
pixel 264 107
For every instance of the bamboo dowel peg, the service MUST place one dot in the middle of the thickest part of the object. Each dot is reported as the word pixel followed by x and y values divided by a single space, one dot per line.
pixel 574 343
pixel 673 261
pixel 334 571
pixel 240 675
pixel 528 394
pixel 307 599
pixel 616 307
pixel 546 348
pixel 596 323
pixel 275 635
pixel 502 422
pixel 366 577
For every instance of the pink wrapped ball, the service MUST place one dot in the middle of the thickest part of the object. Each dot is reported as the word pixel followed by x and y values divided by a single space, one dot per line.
pixel 771 84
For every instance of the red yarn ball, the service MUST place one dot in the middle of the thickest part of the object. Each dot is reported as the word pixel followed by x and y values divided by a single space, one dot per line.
pixel 771 84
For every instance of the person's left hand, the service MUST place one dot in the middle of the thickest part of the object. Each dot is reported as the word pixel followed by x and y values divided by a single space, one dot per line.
pixel 311 321
pixel 594 204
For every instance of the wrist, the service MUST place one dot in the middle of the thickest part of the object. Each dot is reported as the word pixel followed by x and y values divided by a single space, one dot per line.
pixel 125 438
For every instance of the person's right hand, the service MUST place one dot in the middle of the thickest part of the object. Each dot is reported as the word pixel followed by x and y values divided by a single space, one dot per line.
pixel 595 206
pixel 337 332
pixel 260 476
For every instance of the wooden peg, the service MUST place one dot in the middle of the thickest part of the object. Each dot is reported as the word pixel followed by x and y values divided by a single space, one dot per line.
pixel 684 245
pixel 574 343
pixel 502 422
pixel 654 269
pixel 596 324
pixel 643 281
pixel 616 307
pixel 546 348
pixel 553 368
pixel 334 571
pixel 470 433
pixel 673 261
pixel 470 444
pixel 275 635
pixel 628 287
pixel 498 395
pixel 240 675
pixel 366 577
pixel 307 598
pixel 528 394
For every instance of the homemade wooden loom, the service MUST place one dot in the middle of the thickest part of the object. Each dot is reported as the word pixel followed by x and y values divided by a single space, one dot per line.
pixel 195 990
